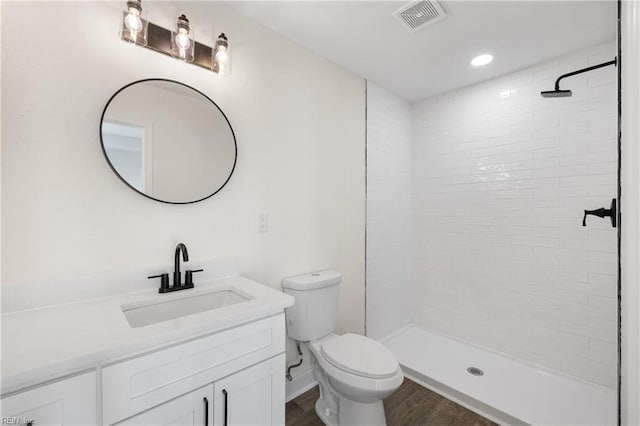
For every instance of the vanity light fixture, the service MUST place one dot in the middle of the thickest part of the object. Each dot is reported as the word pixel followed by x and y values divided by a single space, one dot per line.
pixel 180 44
pixel 134 26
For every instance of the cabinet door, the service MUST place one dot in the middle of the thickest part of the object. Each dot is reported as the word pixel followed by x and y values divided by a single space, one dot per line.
pixel 253 396
pixel 192 409
pixel 66 402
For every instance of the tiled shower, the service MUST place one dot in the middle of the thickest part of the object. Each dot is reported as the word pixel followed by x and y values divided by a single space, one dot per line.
pixel 475 202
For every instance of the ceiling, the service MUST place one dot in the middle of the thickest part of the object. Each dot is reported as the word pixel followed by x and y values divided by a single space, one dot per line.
pixel 366 39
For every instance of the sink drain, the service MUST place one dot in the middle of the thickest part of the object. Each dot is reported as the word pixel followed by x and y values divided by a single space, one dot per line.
pixel 475 371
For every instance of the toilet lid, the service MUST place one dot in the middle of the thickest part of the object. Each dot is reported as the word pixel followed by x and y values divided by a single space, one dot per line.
pixel 360 355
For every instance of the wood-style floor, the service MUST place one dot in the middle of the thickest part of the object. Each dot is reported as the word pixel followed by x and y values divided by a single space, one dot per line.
pixel 411 405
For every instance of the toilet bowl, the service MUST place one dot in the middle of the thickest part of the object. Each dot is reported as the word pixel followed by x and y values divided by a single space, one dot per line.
pixel 355 373
pixel 359 373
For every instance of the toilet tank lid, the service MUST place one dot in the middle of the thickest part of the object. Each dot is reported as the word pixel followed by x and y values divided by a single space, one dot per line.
pixel 312 280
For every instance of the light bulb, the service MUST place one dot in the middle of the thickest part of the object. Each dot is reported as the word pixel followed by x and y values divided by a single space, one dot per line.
pixel 182 41
pixel 221 58
pixel 223 62
pixel 133 23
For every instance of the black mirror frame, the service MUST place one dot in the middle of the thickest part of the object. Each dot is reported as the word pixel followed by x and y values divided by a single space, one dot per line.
pixel 104 151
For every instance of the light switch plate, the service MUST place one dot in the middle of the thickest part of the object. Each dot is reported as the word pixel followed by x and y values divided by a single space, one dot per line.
pixel 263 222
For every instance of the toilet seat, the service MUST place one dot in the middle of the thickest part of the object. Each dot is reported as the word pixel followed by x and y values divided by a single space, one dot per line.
pixel 360 355
pixel 354 386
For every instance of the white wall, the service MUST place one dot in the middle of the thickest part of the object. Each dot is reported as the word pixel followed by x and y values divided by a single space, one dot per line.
pixel 501 178
pixel 299 122
pixel 630 199
pixel 388 211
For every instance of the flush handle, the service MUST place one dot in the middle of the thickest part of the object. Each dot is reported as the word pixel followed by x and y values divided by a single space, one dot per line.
pixel 611 212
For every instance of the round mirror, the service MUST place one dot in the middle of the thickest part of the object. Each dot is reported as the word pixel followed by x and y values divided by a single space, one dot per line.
pixel 168 141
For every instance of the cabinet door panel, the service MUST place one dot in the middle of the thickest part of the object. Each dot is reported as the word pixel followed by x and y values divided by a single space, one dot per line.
pixel 192 409
pixel 254 396
pixel 66 402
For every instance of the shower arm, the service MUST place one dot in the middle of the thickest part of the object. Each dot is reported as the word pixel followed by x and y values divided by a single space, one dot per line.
pixel 594 67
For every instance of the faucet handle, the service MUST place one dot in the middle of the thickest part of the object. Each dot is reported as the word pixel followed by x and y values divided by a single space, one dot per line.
pixel 188 277
pixel 164 282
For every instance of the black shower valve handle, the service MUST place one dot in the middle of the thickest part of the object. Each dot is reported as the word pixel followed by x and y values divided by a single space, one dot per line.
pixel 602 212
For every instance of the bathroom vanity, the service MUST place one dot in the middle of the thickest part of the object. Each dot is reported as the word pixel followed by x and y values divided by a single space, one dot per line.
pixel 213 355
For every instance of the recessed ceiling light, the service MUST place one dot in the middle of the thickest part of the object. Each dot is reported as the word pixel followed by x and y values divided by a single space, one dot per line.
pixel 481 60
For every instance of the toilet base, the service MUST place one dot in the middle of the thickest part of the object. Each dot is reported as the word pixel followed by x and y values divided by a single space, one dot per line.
pixel 328 417
pixel 353 413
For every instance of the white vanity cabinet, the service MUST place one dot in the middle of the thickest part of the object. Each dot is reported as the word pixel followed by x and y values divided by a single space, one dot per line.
pixel 254 396
pixel 247 361
pixel 251 397
pixel 173 371
pixel 70 401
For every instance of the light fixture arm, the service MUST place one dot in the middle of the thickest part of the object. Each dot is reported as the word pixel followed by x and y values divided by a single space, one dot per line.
pixel 580 71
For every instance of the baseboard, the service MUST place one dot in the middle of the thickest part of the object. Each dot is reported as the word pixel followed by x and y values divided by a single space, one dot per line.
pixel 300 384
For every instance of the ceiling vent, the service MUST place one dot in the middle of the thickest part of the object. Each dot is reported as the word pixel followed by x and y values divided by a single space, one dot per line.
pixel 418 14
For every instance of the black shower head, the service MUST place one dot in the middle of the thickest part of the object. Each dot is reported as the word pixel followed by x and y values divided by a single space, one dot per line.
pixel 556 94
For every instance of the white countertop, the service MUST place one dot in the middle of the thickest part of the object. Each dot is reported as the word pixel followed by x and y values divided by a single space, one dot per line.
pixel 46 343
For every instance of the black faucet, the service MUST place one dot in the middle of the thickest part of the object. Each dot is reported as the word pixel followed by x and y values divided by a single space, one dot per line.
pixel 177 284
pixel 176 263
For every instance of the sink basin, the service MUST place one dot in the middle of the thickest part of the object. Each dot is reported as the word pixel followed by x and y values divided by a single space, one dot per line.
pixel 140 314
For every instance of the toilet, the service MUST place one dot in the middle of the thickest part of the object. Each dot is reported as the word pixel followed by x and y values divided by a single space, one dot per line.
pixel 355 373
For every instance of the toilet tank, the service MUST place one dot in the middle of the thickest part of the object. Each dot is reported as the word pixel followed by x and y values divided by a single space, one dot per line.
pixel 314 314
